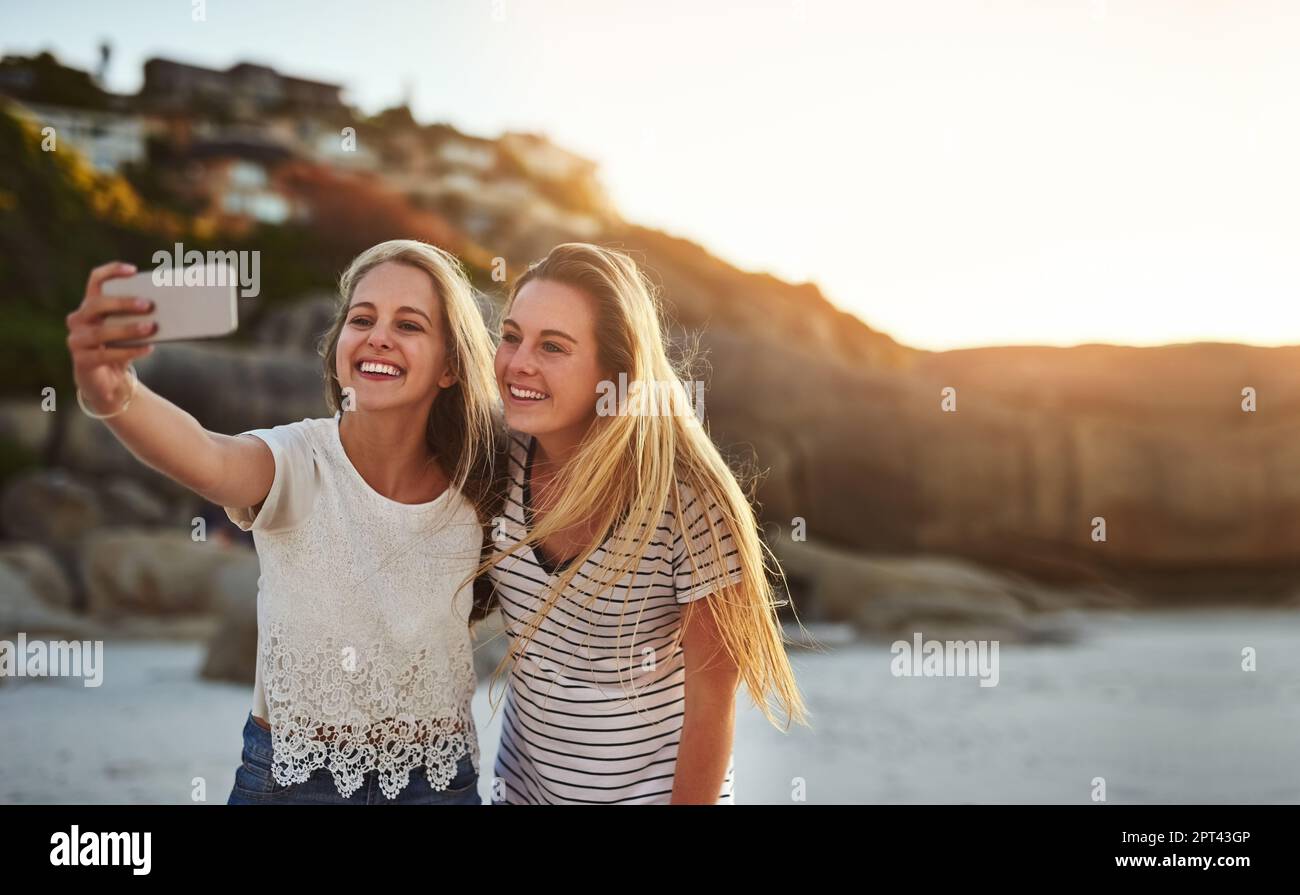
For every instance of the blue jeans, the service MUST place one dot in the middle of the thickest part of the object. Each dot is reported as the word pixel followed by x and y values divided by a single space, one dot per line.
pixel 254 784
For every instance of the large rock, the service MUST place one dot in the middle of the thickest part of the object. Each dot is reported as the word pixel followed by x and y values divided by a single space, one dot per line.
pixel 154 573
pixel 298 327
pixel 1198 496
pixel 894 596
pixel 88 447
pixel 129 492
pixel 50 507
pixel 128 502
pixel 22 609
pixel 41 572
pixel 24 423
pixel 232 650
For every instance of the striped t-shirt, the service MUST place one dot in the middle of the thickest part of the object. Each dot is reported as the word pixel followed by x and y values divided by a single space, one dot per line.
pixel 594 712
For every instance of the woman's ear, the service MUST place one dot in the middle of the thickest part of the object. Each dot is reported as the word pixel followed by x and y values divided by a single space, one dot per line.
pixel 448 379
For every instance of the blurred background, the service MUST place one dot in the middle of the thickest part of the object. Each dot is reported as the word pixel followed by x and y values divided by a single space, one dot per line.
pixel 967 277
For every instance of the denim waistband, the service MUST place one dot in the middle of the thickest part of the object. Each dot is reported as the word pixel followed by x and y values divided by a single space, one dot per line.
pixel 257 739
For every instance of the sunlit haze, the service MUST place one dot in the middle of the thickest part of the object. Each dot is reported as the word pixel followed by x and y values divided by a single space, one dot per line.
pixel 961 173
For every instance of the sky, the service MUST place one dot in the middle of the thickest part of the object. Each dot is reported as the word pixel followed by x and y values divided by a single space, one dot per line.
pixel 957 174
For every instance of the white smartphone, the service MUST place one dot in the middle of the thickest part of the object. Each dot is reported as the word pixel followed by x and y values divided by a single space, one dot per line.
pixel 204 309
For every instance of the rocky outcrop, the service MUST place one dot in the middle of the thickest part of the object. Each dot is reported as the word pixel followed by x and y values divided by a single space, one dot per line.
pixel 889 597
pixel 153 572
pixel 32 595
pixel 232 649
pixel 299 326
pixel 1197 496
pixel 40 572
pixel 25 424
pixel 50 507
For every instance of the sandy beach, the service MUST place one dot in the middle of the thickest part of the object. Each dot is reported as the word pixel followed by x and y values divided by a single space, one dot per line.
pixel 1155 703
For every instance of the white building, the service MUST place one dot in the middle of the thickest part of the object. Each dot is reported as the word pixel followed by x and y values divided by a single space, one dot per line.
pixel 249 193
pixel 479 155
pixel 107 140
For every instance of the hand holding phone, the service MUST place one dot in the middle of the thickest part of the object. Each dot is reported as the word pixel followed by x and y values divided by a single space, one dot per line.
pixel 196 303
pixel 124 312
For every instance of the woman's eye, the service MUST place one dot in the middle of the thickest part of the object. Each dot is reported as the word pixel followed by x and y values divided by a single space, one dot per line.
pixel 412 327
pixel 361 321
pixel 509 337
pixel 552 347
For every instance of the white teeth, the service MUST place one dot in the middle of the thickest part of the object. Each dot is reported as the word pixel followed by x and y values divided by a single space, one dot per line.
pixel 369 366
pixel 527 393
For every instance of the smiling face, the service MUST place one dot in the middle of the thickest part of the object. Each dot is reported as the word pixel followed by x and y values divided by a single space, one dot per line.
pixel 392 349
pixel 547 365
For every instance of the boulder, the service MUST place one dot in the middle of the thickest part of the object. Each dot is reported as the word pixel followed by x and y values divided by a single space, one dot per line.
pixel 298 327
pixel 232 650
pixel 894 596
pixel 23 609
pixel 49 506
pixel 130 572
pixel 1194 487
pixel 24 423
pixel 89 448
pixel 41 572
pixel 128 502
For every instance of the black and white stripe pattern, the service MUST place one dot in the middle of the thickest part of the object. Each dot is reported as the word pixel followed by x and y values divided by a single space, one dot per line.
pixel 594 709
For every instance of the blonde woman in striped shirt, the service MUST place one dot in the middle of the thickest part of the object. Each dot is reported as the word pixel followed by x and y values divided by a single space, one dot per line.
pixel 629 568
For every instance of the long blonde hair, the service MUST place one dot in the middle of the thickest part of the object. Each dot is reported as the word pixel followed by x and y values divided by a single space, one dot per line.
pixel 626 472
pixel 461 424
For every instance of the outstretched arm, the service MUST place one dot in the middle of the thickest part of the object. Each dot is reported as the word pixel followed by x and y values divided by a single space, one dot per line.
pixel 233 471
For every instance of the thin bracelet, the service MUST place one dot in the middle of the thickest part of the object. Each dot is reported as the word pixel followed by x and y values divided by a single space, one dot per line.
pixel 135 380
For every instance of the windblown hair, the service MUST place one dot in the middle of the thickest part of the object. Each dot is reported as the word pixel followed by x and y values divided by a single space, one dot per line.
pixel 627 472
pixel 461 427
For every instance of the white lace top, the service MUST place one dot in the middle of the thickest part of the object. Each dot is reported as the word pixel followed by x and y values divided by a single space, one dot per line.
pixel 364 659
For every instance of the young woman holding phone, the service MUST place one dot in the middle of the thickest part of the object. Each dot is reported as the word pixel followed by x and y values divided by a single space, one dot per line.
pixel 367 526
pixel 629 568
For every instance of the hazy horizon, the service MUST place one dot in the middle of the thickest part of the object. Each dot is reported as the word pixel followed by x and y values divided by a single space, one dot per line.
pixel 958 175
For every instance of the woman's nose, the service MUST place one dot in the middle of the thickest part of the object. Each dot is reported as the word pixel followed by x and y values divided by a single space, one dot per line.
pixel 522 362
pixel 379 338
